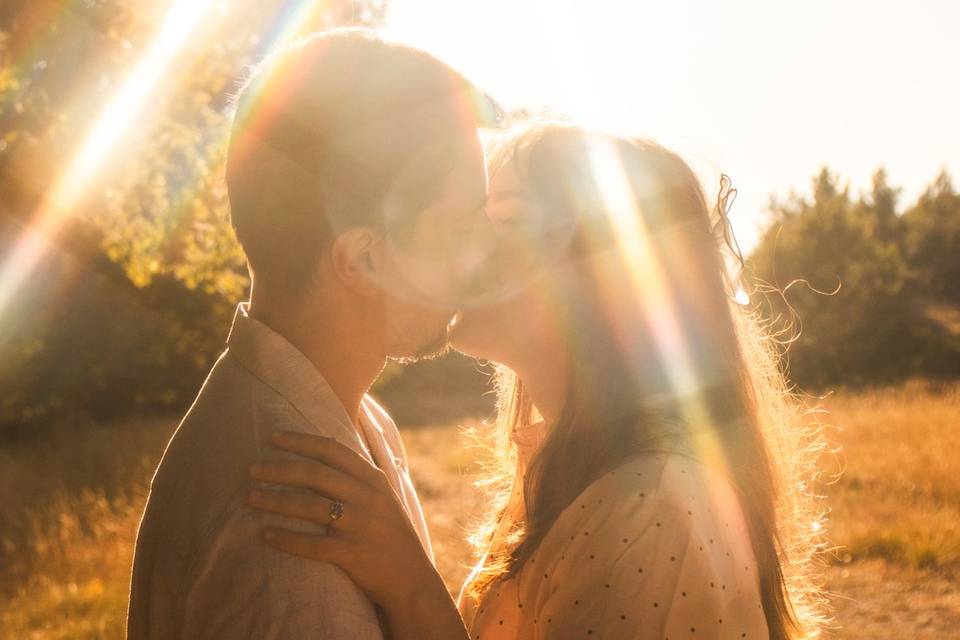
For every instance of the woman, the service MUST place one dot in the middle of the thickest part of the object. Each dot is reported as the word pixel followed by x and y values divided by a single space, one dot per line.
pixel 648 425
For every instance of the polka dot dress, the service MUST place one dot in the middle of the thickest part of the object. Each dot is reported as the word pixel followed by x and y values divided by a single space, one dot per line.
pixel 657 549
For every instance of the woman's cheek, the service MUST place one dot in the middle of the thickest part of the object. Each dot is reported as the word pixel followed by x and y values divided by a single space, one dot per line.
pixel 473 333
pixel 487 331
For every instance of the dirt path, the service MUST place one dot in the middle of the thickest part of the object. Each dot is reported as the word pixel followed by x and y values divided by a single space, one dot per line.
pixel 873 599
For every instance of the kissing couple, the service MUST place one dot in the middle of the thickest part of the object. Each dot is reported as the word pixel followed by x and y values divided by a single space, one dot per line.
pixel 387 211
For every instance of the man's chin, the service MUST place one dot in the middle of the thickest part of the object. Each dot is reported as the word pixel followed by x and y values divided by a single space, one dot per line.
pixel 436 348
pixel 459 339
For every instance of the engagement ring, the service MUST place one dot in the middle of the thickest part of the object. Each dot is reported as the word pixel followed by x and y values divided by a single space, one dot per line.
pixel 336 511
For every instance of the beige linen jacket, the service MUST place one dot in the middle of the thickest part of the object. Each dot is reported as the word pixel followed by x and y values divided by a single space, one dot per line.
pixel 200 569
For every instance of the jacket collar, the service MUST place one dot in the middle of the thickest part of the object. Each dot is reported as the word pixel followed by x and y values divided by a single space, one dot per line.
pixel 281 366
pixel 285 369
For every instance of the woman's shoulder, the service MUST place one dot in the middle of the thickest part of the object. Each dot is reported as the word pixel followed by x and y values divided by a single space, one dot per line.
pixel 666 476
pixel 659 529
pixel 651 507
pixel 655 487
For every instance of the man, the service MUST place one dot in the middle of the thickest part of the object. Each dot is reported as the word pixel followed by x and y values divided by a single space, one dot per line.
pixel 356 181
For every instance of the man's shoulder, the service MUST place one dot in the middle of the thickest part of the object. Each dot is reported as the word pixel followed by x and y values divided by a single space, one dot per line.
pixel 232 406
pixel 222 433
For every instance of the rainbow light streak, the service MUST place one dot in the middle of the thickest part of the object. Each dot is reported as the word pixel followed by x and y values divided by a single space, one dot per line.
pixel 287 26
pixel 291 20
pixel 113 121
pixel 282 32
pixel 645 273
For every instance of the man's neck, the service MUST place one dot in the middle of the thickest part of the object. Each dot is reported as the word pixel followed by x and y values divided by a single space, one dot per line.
pixel 348 362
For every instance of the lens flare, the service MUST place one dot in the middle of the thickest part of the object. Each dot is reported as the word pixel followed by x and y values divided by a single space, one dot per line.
pixel 180 21
pixel 645 273
pixel 111 124
pixel 285 29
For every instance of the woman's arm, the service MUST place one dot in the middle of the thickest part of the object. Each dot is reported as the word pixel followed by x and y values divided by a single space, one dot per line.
pixel 372 539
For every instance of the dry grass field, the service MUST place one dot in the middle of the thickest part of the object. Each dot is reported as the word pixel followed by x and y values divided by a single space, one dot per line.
pixel 70 509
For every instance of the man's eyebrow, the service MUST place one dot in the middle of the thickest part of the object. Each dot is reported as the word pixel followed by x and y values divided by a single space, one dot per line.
pixel 503 195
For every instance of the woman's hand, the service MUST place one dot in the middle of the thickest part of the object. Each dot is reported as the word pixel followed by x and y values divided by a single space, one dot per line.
pixel 372 538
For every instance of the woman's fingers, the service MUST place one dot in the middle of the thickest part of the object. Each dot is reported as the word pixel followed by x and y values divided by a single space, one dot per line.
pixel 309 474
pixel 312 547
pixel 296 504
pixel 331 452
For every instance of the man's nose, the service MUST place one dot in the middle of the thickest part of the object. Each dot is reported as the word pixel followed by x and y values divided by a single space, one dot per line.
pixel 478 250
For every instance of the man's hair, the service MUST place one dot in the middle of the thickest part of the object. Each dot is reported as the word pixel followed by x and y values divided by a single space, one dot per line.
pixel 342 129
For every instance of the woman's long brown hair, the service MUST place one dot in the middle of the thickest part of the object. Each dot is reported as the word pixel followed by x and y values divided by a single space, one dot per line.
pixel 624 396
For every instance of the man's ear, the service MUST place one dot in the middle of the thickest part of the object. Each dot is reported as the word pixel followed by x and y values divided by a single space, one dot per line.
pixel 355 261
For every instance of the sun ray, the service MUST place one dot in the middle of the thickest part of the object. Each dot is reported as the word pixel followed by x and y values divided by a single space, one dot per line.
pixel 115 118
pixel 649 284
pixel 286 28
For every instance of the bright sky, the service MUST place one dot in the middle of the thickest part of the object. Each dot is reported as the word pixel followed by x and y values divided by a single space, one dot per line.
pixel 767 91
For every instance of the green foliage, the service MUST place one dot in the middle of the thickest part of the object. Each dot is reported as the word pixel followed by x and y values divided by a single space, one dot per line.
pixel 932 242
pixel 131 302
pixel 86 341
pixel 133 298
pixel 866 290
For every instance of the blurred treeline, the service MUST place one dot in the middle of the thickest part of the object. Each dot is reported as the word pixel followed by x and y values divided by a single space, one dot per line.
pixel 868 292
pixel 132 299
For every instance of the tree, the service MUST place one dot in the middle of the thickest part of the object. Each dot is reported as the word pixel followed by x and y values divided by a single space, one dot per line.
pixel 932 241
pixel 134 295
pixel 879 210
pixel 851 284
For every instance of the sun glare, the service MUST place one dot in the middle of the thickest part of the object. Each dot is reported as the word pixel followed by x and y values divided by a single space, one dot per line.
pixel 646 275
pixel 648 280
pixel 112 122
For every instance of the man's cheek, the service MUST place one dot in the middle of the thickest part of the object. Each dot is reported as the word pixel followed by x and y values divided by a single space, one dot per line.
pixel 475 255
pixel 430 281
